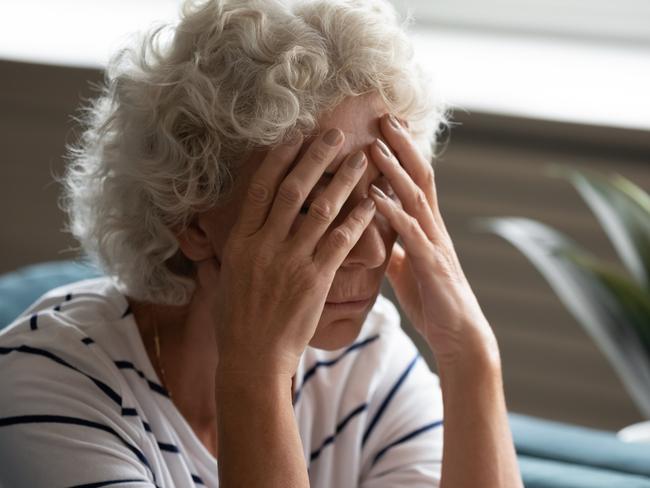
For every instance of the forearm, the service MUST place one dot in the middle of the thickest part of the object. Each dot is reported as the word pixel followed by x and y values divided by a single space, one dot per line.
pixel 478 448
pixel 258 440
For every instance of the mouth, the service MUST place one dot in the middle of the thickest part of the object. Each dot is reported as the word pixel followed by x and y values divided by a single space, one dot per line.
pixel 348 305
pixel 350 300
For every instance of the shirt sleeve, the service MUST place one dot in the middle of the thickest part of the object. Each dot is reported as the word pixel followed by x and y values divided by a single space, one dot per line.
pixel 402 444
pixel 61 422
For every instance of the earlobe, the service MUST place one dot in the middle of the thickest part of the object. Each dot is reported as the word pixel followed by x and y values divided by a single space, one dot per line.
pixel 194 242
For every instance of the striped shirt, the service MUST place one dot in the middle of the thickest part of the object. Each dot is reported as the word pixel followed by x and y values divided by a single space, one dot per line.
pixel 81 404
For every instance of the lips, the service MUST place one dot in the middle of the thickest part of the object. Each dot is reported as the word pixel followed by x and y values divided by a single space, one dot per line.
pixel 353 299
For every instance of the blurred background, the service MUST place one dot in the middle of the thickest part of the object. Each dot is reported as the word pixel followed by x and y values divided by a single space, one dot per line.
pixel 531 83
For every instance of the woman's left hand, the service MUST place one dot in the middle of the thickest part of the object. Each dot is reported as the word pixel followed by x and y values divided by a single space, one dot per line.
pixel 426 274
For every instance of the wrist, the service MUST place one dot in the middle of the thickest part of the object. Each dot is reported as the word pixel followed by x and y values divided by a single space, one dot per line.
pixel 227 380
pixel 471 377
pixel 475 351
pixel 237 364
pixel 258 439
pixel 237 393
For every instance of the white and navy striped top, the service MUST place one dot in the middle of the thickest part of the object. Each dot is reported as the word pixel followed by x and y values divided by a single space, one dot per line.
pixel 81 404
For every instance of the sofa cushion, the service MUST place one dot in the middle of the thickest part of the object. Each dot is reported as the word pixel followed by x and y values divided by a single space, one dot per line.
pixel 545 473
pixel 20 288
pixel 567 443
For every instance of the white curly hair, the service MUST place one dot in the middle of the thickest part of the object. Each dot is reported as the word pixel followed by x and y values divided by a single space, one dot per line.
pixel 163 139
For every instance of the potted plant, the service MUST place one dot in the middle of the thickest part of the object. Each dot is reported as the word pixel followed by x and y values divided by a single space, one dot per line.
pixel 611 305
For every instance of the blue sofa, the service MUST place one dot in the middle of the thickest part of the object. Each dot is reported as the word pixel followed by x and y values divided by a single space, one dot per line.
pixel 551 454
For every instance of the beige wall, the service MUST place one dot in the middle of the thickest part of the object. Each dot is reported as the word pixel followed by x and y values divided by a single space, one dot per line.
pixel 491 167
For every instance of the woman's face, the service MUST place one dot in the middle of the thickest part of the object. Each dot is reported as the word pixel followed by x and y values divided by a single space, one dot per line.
pixel 361 273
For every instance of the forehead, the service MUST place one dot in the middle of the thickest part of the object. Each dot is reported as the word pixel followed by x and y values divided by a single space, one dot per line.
pixel 358 119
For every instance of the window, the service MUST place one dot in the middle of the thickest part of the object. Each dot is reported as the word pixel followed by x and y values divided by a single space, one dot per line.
pixel 580 61
pixel 620 20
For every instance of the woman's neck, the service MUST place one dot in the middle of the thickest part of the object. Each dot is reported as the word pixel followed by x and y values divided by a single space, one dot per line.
pixel 188 355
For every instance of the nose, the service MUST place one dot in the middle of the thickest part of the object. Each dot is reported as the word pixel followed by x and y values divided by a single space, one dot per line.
pixel 370 249
pixel 368 252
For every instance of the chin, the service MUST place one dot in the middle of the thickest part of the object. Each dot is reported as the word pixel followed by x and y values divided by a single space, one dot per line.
pixel 337 332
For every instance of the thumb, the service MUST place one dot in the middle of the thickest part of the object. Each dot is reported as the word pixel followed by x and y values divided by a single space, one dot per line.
pixel 396 263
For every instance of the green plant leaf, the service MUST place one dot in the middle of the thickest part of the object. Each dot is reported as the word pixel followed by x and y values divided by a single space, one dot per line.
pixel 634 300
pixel 635 193
pixel 593 304
pixel 623 210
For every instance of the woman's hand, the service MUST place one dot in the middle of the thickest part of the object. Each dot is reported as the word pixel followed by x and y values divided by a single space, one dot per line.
pixel 426 275
pixel 271 286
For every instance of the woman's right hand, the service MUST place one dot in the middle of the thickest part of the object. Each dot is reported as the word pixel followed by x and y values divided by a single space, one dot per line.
pixel 272 286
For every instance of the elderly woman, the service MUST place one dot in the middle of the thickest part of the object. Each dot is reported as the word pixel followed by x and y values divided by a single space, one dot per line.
pixel 242 183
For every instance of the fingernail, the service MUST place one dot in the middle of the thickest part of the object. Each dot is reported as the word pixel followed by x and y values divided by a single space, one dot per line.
pixel 357 160
pixel 393 121
pixel 377 191
pixel 384 149
pixel 332 137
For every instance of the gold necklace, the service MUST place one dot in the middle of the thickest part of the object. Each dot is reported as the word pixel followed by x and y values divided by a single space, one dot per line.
pixel 162 371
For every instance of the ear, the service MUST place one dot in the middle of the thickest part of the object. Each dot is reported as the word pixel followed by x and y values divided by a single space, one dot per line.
pixel 194 241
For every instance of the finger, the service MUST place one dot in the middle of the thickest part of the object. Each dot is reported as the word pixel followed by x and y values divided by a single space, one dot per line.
pixel 293 191
pixel 402 143
pixel 261 188
pixel 397 260
pixel 324 209
pixel 409 156
pixel 415 240
pixel 399 277
pixel 413 198
pixel 343 238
